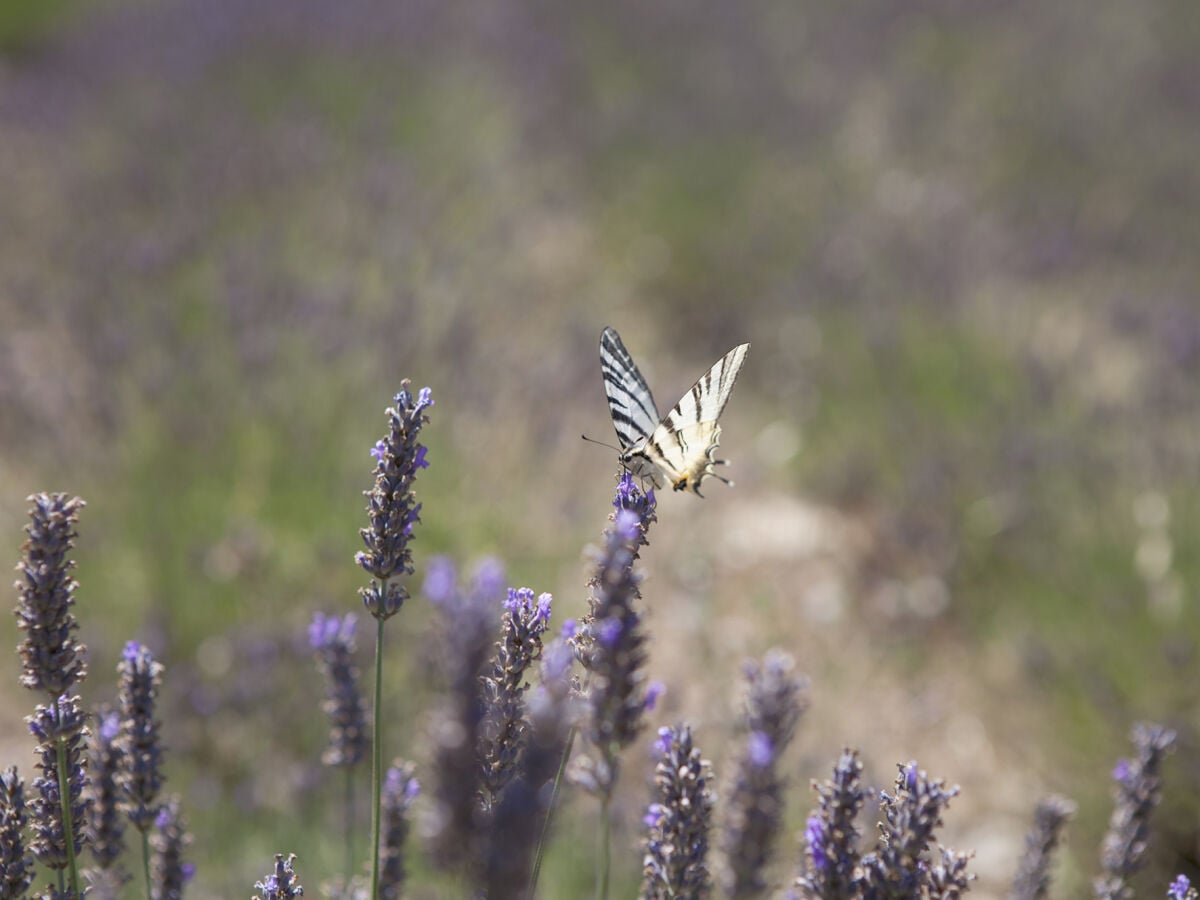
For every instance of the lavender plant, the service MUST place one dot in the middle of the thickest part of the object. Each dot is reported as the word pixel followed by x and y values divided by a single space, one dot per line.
pixel 282 883
pixel 140 778
pixel 774 703
pixel 106 825
pixel 504 729
pixel 1032 880
pixel 832 834
pixel 1181 889
pixel 59 808
pixel 332 640
pixel 392 511
pixel 167 868
pixel 678 821
pixel 1138 789
pixel 400 788
pixel 16 867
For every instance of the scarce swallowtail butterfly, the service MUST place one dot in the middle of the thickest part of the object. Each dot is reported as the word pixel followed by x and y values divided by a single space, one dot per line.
pixel 680 445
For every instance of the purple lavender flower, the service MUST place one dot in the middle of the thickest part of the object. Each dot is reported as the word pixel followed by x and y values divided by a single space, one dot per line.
pixel 63 724
pixel 53 661
pixel 392 507
pixel 281 884
pixel 400 788
pixel 332 639
pixel 168 872
pixel 896 870
pixel 141 776
pixel 106 834
pixel 832 833
pixel 16 868
pixel 1032 880
pixel 774 702
pixel 610 642
pixel 1181 889
pixel 503 735
pixel 676 843
pixel 1138 790
pixel 654 692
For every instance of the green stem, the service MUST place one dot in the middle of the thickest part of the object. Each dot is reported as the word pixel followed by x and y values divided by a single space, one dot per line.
pixel 604 850
pixel 146 862
pixel 349 804
pixel 64 797
pixel 377 755
pixel 545 836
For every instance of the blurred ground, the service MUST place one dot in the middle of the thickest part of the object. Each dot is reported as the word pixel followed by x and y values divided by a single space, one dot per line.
pixel 960 238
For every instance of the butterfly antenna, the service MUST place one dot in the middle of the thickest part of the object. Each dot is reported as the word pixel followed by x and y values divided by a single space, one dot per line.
pixel 601 443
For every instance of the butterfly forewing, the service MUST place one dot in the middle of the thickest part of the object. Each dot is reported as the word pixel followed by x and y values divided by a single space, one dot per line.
pixel 681 445
pixel 634 414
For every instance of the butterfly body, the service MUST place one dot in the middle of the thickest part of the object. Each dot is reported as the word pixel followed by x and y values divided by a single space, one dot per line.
pixel 678 447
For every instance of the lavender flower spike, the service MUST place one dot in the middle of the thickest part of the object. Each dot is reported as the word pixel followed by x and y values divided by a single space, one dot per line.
pixel 141 777
pixel 1181 889
pixel 106 834
pixel 16 868
pixel 53 662
pixel 280 884
pixel 832 833
pixel 1032 880
pixel 774 702
pixel 400 788
pixel 1139 788
pixel 63 721
pixel 332 640
pixel 169 872
pixel 504 733
pixel 392 506
pixel 676 844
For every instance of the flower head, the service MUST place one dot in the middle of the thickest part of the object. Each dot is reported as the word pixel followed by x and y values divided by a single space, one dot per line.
pixel 16 868
pixel 281 884
pixel 53 661
pixel 400 788
pixel 168 872
pixel 61 721
pixel 678 823
pixel 332 638
pixel 392 507
pixel 106 834
pixel 141 776
pixel 1032 880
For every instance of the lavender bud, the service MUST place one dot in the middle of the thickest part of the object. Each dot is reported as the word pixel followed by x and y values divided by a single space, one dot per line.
pixel 676 844
pixel 16 868
pixel 504 728
pixel 280 884
pixel 1138 790
pixel 63 722
pixel 774 702
pixel 910 817
pixel 141 776
pixel 949 878
pixel 1181 889
pixel 392 506
pixel 168 872
pixel 1032 880
pixel 332 640
pixel 53 661
pixel 832 833
pixel 400 788
pixel 610 642
pixel 106 834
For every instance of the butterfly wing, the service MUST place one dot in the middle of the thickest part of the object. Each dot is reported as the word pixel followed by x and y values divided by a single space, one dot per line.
pixel 682 445
pixel 634 414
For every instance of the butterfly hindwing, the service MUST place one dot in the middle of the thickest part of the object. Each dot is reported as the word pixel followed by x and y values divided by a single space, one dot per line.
pixel 681 445
pixel 630 402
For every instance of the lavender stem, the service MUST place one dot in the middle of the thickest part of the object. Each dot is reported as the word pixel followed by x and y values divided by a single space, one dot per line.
pixel 377 755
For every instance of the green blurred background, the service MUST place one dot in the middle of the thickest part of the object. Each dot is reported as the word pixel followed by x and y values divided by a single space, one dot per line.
pixel 962 238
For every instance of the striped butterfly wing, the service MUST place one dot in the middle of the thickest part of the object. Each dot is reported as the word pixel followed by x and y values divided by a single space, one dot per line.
pixel 681 447
pixel 634 414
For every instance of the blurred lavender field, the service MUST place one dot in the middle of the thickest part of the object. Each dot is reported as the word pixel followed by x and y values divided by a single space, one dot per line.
pixel 961 239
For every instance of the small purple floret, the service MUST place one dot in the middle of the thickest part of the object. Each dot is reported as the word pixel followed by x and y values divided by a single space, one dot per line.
pixel 379 451
pixel 814 833
pixel 1179 888
pixel 662 744
pixel 654 692
pixel 760 749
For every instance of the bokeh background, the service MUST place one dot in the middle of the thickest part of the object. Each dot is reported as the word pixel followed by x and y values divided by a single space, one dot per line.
pixel 961 237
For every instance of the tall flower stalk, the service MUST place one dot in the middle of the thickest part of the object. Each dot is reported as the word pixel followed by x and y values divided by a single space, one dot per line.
pixel 141 778
pixel 611 645
pixel 53 663
pixel 678 821
pixel 392 512
pixel 1032 880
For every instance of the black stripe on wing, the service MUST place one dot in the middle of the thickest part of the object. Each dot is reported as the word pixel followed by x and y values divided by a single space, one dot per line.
pixel 706 400
pixel 630 402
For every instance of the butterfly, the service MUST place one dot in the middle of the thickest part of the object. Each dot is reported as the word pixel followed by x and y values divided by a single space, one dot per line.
pixel 680 445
